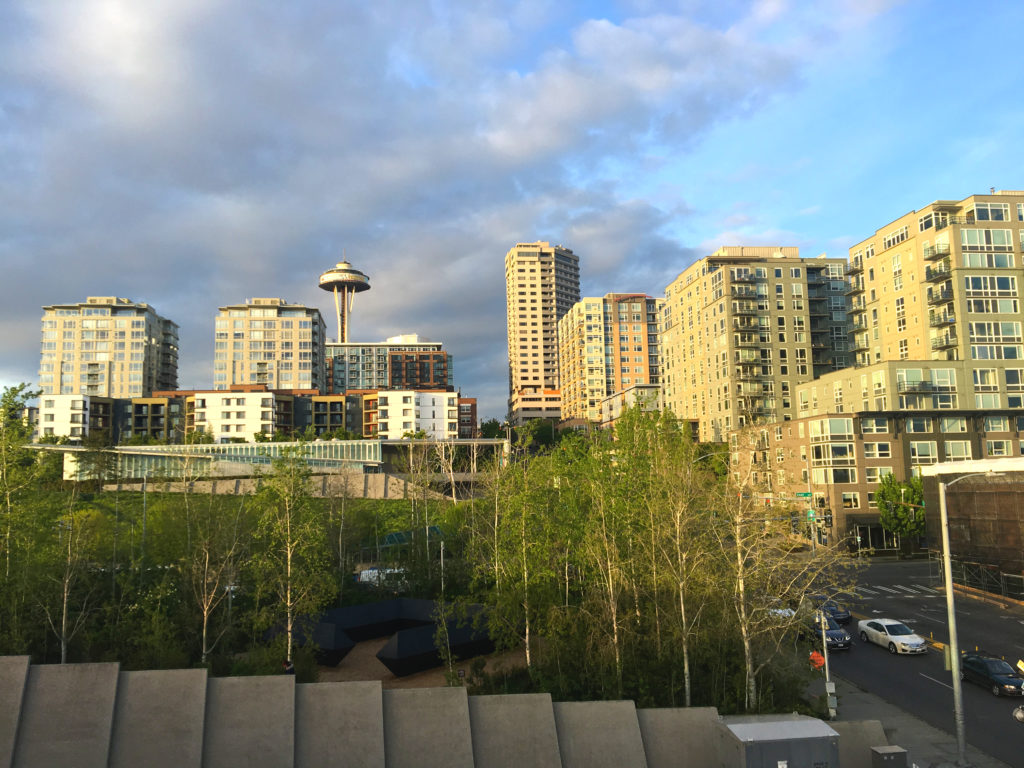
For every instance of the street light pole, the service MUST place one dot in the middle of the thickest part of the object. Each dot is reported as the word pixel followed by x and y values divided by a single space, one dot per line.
pixel 954 645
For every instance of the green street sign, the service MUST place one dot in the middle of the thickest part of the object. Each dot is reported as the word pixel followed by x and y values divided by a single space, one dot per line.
pixel 804 495
pixel 810 514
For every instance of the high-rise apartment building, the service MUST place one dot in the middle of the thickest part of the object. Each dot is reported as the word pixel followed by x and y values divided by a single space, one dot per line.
pixel 542 282
pixel 606 345
pixel 742 327
pixel 107 347
pixel 269 342
pixel 400 362
pixel 941 283
pixel 939 364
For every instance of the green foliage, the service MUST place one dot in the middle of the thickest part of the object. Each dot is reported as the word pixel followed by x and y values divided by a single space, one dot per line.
pixel 491 429
pixel 900 508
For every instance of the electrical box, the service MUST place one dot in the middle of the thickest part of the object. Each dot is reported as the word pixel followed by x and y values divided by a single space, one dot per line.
pixel 776 741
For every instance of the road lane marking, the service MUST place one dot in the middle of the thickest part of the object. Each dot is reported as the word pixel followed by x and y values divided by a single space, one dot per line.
pixel 868 591
pixel 911 590
pixel 886 589
pixel 928 589
pixel 928 618
pixel 922 674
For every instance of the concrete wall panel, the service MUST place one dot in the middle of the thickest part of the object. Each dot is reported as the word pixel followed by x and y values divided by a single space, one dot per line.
pixel 339 725
pixel 856 738
pixel 66 716
pixel 158 719
pixel 250 721
pixel 427 728
pixel 514 731
pixel 599 734
pixel 13 674
pixel 679 738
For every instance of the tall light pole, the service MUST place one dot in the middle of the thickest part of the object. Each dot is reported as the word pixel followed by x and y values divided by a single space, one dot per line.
pixel 954 646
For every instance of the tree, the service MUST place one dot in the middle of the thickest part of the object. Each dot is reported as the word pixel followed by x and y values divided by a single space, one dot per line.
pixel 290 567
pixel 491 429
pixel 18 466
pixel 901 509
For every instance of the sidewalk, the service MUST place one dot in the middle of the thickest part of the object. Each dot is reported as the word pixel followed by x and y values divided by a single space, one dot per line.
pixel 927 746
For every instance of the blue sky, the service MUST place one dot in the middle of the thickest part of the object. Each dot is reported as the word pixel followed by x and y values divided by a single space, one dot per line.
pixel 195 153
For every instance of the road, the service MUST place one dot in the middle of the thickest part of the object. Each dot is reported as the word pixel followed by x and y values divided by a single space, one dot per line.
pixel 908 591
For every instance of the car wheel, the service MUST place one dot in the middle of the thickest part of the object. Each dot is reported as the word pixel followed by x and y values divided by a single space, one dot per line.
pixel 995 690
pixel 863 637
pixel 892 647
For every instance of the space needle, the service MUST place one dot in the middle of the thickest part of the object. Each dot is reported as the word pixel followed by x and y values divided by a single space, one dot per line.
pixel 344 282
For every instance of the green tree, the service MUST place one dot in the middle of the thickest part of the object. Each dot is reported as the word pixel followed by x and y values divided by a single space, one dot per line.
pixel 901 509
pixel 491 428
pixel 290 567
pixel 19 468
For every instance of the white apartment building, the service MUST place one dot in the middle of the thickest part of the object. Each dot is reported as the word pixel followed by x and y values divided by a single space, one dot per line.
pixel 107 347
pixel 70 415
pixel 233 416
pixel 400 412
pixel 270 342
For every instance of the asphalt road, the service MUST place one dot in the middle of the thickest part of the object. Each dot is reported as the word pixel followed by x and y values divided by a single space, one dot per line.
pixel 907 591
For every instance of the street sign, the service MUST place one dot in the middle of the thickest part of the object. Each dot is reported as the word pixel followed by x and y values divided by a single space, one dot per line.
pixel 804 495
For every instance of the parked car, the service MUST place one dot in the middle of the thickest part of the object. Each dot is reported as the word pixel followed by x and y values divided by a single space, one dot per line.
pixel 836 638
pixel 891 634
pixel 836 610
pixel 996 674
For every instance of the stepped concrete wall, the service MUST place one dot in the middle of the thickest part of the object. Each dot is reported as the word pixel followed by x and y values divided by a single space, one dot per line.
pixel 13 675
pixel 340 725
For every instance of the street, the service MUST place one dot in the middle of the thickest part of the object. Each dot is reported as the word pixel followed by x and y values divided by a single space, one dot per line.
pixel 909 591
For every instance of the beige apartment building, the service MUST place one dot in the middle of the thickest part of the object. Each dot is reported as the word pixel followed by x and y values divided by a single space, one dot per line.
pixel 606 344
pixel 107 347
pixel 269 342
pixel 742 328
pixel 938 364
pixel 542 282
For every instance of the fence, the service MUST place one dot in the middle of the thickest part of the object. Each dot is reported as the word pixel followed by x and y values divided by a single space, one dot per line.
pixel 987 578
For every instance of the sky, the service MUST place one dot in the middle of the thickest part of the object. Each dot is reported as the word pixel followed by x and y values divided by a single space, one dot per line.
pixel 196 153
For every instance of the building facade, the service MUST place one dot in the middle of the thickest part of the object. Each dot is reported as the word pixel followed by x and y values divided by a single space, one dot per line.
pixel 269 342
pixel 400 362
pixel 542 282
pixel 394 414
pixel 606 345
pixel 938 364
pixel 107 347
pixel 742 328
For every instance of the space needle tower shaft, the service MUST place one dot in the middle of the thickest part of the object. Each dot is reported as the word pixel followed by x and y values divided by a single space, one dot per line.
pixel 344 282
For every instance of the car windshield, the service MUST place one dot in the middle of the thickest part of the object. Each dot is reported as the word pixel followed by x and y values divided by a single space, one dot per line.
pixel 998 667
pixel 830 623
pixel 898 629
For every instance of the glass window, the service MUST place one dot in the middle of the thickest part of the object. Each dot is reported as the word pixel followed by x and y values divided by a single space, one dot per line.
pixel 877 450
pixel 957 450
pixel 953 424
pixel 919 424
pixel 923 452
pixel 874 425
pixel 998 448
pixel 997 424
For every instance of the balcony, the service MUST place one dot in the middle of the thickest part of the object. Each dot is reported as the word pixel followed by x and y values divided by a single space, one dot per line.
pixel 854 267
pixel 744 291
pixel 745 325
pixel 749 373
pixel 859 343
pixel 936 273
pixel 860 324
pixel 854 287
pixel 933 252
pixel 817 309
pixel 745 308
pixel 914 387
pixel 748 277
pixel 940 296
pixel 858 304
pixel 752 340
pixel 940 320
pixel 945 342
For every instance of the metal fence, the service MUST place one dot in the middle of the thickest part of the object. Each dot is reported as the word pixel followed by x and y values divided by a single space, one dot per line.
pixel 982 576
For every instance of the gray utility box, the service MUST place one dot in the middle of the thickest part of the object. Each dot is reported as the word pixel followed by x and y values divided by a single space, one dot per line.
pixel 776 741
pixel 888 757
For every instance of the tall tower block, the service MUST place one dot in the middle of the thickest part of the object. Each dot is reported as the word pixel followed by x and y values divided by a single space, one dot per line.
pixel 344 282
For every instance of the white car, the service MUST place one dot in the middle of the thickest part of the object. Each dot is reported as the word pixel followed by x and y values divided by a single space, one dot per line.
pixel 891 634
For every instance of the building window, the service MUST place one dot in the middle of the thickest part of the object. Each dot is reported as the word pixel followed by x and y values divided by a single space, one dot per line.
pixel 952 424
pixel 874 425
pixel 875 474
pixel 877 450
pixel 998 448
pixel 851 501
pixel 997 424
pixel 919 424
pixel 957 450
pixel 923 452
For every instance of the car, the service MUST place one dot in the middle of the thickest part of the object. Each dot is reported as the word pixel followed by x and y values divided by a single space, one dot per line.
pixel 836 638
pixel 891 634
pixel 994 673
pixel 834 609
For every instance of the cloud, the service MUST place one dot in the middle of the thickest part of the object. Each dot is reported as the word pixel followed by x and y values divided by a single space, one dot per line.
pixel 193 154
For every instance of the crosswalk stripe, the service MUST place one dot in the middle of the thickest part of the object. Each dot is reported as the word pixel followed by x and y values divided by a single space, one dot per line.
pixel 867 591
pixel 886 589
pixel 930 590
pixel 911 590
